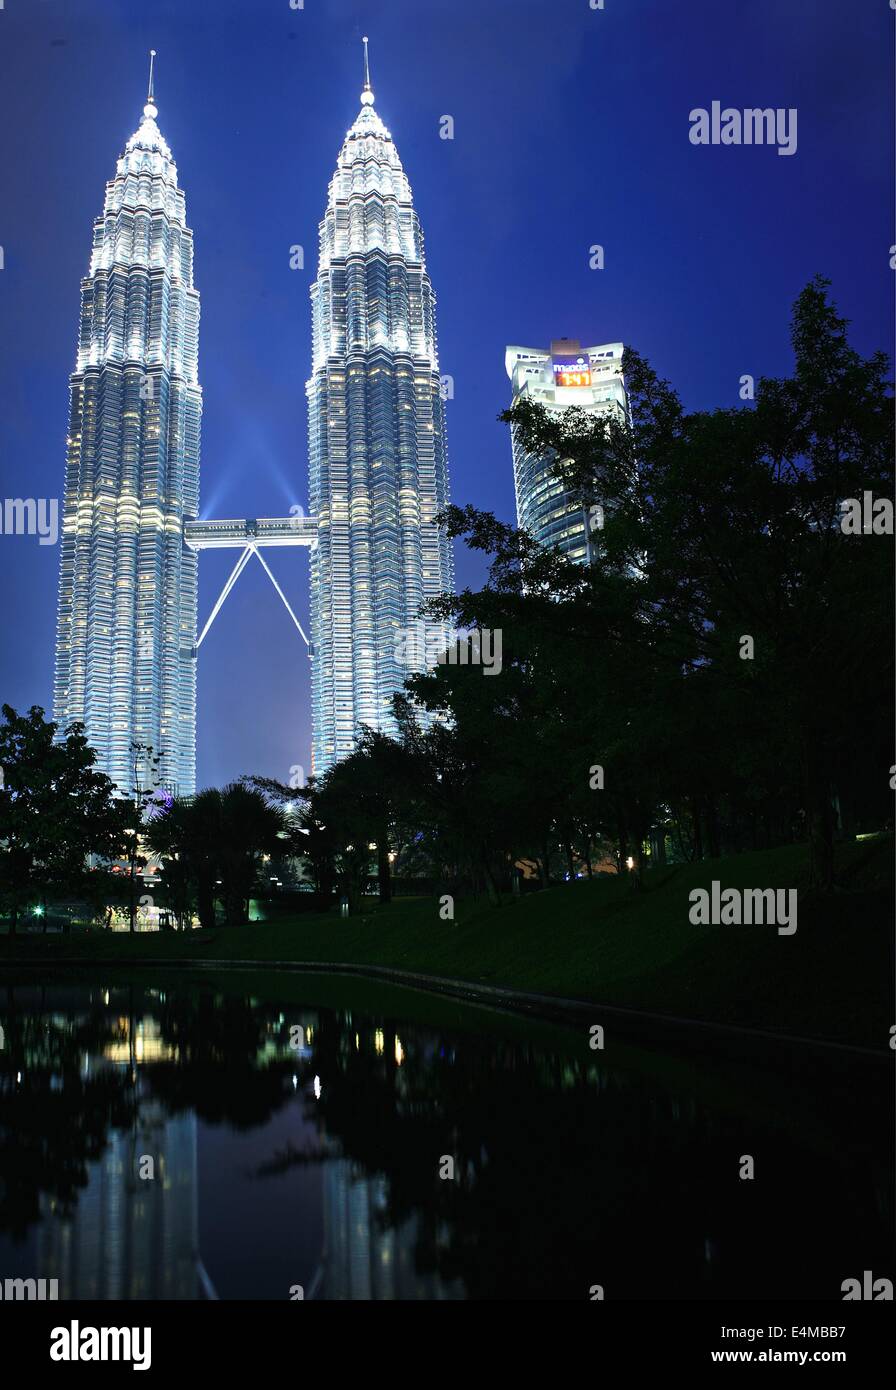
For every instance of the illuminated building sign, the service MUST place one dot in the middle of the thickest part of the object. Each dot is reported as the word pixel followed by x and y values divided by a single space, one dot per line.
pixel 572 371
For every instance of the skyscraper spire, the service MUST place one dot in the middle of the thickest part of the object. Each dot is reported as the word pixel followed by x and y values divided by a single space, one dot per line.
pixel 127 590
pixel 378 465
pixel 367 93
pixel 150 109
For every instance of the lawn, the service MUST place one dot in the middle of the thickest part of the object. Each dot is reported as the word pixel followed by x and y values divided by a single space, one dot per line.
pixel 600 940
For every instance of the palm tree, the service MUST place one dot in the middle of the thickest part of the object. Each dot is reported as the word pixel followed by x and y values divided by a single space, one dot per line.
pixel 249 828
pixel 220 837
pixel 166 836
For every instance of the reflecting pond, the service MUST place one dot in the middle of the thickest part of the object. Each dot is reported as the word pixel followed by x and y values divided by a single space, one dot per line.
pixel 198 1141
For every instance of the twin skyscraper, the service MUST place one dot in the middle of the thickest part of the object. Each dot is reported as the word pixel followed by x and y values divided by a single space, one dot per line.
pixel 127 639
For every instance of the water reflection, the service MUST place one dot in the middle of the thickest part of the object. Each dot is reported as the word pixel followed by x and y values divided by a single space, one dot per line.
pixel 189 1143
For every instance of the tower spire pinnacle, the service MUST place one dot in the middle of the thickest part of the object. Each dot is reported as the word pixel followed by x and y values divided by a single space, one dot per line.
pixel 150 109
pixel 367 93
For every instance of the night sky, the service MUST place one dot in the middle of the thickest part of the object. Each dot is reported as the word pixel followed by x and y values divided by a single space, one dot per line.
pixel 571 128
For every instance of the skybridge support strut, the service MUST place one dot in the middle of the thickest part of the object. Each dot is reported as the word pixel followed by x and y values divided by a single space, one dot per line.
pixel 235 573
pixel 270 576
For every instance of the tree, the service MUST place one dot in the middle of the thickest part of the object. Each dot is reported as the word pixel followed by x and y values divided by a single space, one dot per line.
pixel 304 836
pixel 145 774
pixel 220 837
pixel 166 835
pixel 728 524
pixel 362 794
pixel 56 809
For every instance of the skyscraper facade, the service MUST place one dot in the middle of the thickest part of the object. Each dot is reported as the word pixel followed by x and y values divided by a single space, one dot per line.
pixel 377 448
pixel 127 632
pixel 563 376
pixel 127 593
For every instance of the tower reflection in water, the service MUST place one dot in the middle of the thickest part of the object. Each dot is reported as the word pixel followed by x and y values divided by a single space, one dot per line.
pixel 130 1238
pixel 128 1097
pixel 363 1259
pixel 299 1144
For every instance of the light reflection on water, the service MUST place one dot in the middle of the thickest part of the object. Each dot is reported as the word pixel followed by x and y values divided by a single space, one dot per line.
pixel 186 1144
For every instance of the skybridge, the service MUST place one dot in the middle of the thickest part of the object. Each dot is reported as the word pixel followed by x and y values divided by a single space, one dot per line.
pixel 233 535
pixel 250 537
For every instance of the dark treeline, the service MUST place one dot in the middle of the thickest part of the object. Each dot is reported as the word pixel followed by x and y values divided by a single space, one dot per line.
pixel 717 678
pixel 61 825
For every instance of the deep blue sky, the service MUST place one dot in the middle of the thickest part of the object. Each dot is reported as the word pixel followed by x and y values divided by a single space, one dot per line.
pixel 571 128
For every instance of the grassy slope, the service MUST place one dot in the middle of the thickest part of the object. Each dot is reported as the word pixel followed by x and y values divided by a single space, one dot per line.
pixel 600 940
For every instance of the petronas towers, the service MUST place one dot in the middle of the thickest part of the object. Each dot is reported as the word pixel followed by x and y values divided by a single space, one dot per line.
pixel 126 640
pixel 127 588
pixel 378 465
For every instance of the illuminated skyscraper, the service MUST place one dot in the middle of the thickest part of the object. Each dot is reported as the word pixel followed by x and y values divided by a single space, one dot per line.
pixel 127 635
pixel 378 456
pixel 127 590
pixel 567 375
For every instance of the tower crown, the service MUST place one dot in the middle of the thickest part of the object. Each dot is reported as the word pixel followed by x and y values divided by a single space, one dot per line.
pixel 367 90
pixel 147 136
pixel 150 109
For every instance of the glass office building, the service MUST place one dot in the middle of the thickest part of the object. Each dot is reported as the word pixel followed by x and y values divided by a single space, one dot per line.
pixel 378 460
pixel 563 376
pixel 127 590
